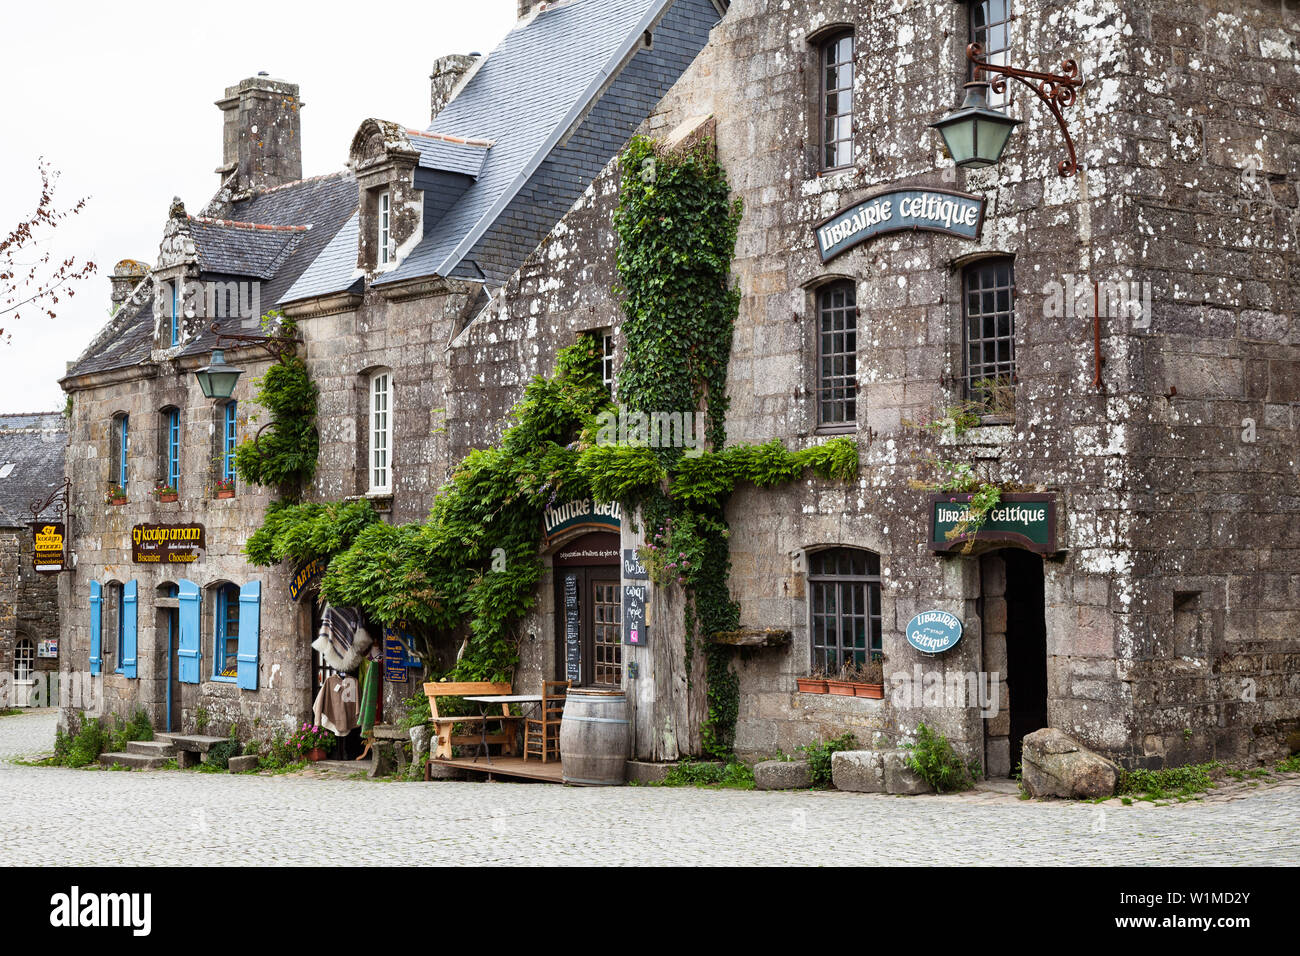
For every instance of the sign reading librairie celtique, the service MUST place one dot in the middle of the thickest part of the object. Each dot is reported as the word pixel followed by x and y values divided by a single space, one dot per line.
pixel 167 543
pixel 1028 520
pixel 899 210
pixel 933 631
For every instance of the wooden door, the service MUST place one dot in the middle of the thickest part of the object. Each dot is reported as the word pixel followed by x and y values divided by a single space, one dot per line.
pixel 605 629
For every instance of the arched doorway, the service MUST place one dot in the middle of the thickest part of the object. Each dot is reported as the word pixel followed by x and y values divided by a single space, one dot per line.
pixel 589 611
pixel 1015 645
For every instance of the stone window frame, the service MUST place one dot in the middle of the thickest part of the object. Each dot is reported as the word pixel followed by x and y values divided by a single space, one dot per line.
pixel 119 450
pixel 962 269
pixel 21 644
pixel 998 18
pixel 811 347
pixel 166 432
pixel 385 255
pixel 872 583
pixel 372 377
pixel 820 308
pixel 216 601
pixel 826 43
pixel 112 605
pixel 220 421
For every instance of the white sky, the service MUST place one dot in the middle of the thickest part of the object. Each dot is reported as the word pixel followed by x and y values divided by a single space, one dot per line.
pixel 119 98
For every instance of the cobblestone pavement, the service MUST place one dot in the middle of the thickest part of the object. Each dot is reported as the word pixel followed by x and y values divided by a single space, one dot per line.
pixel 85 817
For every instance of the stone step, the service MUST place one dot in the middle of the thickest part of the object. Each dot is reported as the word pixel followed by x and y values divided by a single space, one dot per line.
pixel 151 748
pixel 134 761
pixel 191 741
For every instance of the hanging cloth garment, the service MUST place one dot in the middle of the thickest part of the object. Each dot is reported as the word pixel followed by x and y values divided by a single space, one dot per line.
pixel 342 642
pixel 369 697
pixel 337 706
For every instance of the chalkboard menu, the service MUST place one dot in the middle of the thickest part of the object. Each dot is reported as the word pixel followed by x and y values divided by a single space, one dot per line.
pixel 572 631
pixel 394 657
pixel 634 626
pixel 633 569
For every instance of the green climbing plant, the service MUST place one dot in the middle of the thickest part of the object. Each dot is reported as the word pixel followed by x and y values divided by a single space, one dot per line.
pixel 283 453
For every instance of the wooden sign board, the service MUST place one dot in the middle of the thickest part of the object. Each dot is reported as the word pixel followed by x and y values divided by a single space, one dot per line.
pixel 48 545
pixel 167 543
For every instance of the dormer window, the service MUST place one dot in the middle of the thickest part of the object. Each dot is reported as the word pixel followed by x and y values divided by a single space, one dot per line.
pixel 386 255
pixel 176 314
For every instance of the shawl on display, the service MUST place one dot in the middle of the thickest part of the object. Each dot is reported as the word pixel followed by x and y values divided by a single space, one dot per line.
pixel 342 641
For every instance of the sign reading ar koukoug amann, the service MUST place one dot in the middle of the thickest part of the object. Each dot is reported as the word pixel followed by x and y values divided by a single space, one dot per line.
pixel 899 210
pixel 167 543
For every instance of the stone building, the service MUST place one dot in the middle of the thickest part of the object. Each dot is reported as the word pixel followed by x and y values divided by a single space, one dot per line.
pixel 380 265
pixel 1126 334
pixel 31 470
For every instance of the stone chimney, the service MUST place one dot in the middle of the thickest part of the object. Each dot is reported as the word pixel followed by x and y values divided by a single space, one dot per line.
pixel 261 141
pixel 447 72
pixel 126 276
pixel 526 7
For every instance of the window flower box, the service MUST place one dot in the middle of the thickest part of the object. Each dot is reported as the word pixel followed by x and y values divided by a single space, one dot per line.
pixel 840 688
pixel 870 691
pixel 165 493
pixel 225 488
pixel 116 496
pixel 811 685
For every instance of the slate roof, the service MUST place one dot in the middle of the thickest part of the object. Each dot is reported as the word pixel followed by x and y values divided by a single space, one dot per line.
pixel 33 445
pixel 450 154
pixel 335 269
pixel 523 98
pixel 271 238
pixel 243 249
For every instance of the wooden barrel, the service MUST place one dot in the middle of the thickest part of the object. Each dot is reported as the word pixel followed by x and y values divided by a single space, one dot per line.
pixel 595 736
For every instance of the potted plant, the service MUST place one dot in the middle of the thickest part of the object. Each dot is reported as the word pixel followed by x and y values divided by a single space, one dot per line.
pixel 814 684
pixel 310 742
pixel 868 679
pixel 116 495
pixel 841 685
pixel 164 492
pixel 225 487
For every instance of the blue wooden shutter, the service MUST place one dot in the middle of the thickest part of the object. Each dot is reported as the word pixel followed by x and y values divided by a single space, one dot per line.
pixel 96 604
pixel 188 647
pixel 130 615
pixel 250 620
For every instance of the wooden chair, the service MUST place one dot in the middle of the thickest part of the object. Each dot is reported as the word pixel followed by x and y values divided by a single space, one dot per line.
pixel 542 734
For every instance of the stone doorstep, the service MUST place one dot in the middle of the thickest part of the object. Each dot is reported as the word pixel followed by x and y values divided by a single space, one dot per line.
pixel 192 742
pixel 133 760
pixel 151 748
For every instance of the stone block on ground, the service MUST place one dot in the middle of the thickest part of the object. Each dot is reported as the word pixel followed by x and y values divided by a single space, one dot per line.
pixel 243 764
pixel 859 771
pixel 782 775
pixel 1056 765
pixel 899 778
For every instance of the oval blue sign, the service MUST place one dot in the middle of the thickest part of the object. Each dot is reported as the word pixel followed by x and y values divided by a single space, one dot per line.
pixel 934 631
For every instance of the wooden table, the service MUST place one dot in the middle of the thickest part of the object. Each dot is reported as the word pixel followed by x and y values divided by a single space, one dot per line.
pixel 488 700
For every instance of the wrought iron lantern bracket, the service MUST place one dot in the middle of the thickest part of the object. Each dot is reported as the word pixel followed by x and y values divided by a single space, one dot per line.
pixel 276 346
pixel 1057 90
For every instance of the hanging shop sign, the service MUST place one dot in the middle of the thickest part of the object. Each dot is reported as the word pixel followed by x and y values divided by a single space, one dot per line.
pixel 583 513
pixel 47 546
pixel 167 543
pixel 307 577
pixel 900 210
pixel 635 630
pixel 396 658
pixel 934 631
pixel 633 569
pixel 1027 520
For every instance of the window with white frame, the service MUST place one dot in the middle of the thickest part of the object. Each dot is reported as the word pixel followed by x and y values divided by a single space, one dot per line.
pixel 380 463
pixel 607 361
pixel 385 228
pixel 24 660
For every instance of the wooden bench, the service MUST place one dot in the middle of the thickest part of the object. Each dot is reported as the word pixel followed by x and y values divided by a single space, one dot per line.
pixel 444 739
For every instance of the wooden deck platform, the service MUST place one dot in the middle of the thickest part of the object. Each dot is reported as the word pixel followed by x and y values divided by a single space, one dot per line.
pixel 507 767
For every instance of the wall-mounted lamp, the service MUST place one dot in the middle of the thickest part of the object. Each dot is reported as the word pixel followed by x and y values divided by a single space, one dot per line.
pixel 976 134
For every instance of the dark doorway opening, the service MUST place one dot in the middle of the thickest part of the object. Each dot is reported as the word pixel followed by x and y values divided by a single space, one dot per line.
pixel 1026 647
pixel 588 605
